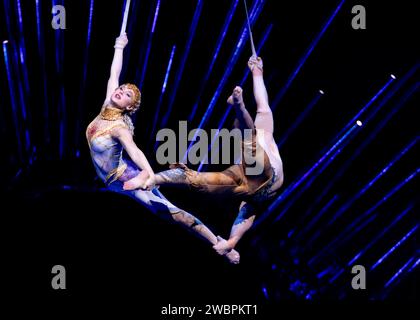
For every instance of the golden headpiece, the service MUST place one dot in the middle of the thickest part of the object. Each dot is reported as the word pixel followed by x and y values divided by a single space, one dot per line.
pixel 137 95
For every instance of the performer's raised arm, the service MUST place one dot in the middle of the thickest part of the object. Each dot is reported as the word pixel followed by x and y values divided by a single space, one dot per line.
pixel 116 67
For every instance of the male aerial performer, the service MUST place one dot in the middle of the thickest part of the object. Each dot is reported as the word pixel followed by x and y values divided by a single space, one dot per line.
pixel 238 181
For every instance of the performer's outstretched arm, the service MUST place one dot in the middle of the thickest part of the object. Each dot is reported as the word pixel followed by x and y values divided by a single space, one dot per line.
pixel 242 224
pixel 136 155
pixel 116 67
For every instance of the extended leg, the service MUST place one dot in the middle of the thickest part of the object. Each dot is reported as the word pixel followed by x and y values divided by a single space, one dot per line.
pixel 158 204
pixel 209 182
pixel 264 117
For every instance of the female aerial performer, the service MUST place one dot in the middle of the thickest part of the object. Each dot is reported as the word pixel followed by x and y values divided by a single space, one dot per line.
pixel 111 132
pixel 255 190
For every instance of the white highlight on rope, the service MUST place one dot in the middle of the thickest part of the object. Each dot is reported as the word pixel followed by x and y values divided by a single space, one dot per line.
pixel 124 24
pixel 254 52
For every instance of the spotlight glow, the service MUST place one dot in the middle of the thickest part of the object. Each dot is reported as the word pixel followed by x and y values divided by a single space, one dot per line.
pixel 393 77
pixel 321 92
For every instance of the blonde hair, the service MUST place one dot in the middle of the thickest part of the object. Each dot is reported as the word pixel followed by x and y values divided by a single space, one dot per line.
pixel 137 96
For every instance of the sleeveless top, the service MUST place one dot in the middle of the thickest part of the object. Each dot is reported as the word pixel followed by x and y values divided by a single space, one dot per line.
pixel 105 150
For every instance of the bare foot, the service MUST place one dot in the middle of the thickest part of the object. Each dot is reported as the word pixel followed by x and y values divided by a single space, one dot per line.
pixel 236 97
pixel 138 182
pixel 255 64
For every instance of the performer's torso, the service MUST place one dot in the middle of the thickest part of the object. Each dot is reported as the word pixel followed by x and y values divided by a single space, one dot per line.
pixel 105 150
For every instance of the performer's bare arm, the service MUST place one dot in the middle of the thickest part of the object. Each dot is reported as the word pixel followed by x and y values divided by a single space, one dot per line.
pixel 116 67
pixel 136 155
pixel 242 224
